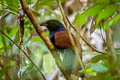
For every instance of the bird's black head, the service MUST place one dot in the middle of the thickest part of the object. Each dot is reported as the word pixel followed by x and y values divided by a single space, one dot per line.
pixel 52 25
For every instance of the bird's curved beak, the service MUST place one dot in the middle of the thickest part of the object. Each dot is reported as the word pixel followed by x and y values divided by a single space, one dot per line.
pixel 43 26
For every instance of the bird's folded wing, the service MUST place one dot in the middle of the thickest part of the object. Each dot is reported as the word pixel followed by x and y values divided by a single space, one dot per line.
pixel 62 39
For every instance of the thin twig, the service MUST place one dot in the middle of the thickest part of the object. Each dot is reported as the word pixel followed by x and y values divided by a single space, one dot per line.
pixel 109 42
pixel 24 53
pixel 101 32
pixel 2 25
pixel 110 48
pixel 45 39
pixel 94 49
pixel 7 57
pixel 4 15
pixel 77 50
pixel 65 17
pixel 6 73
pixel 21 34
pixel 29 38
pixel 72 41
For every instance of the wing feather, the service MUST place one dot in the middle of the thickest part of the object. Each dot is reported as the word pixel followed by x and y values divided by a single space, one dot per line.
pixel 62 39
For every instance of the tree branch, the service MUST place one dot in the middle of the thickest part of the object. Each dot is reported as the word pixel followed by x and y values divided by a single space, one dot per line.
pixel 110 48
pixel 45 39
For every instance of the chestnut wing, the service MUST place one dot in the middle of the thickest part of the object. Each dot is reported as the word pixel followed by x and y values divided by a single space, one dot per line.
pixel 62 39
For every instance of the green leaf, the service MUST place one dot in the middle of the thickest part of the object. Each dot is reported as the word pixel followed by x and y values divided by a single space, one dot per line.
pixel 98 58
pixel 117 50
pixel 15 37
pixel 109 77
pixel 103 1
pixel 2 72
pixel 47 33
pixel 12 5
pixel 1 44
pixel 36 39
pixel 107 12
pixel 111 21
pixel 13 32
pixel 117 0
pixel 89 71
pixel 45 3
pixel 48 63
pixel 99 67
pixel 0 12
pixel 48 2
pixel 80 19
pixel 28 1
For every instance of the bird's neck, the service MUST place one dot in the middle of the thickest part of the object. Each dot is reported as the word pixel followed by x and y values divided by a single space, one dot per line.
pixel 58 29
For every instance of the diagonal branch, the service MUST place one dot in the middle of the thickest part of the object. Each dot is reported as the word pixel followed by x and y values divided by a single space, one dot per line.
pixel 94 49
pixel 66 18
pixel 45 39
pixel 26 54
pixel 77 51
pixel 4 15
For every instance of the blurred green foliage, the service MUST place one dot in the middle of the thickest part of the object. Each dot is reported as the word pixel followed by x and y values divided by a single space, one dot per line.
pixel 98 67
pixel 101 9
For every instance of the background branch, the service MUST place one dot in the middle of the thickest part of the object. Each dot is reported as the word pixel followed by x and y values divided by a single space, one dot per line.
pixel 2 27
pixel 76 49
pixel 26 54
pixel 4 15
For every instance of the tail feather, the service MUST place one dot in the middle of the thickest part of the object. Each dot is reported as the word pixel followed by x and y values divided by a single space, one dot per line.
pixel 70 61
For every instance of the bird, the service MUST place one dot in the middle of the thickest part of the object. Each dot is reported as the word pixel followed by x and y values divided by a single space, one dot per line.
pixel 60 39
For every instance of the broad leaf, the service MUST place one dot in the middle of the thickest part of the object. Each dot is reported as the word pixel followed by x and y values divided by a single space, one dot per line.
pixel 48 63
pixel 103 1
pixel 48 2
pixel 111 21
pixel 107 12
pixel 80 19
pixel 36 39
pixel 99 67
pixel 13 5
pixel 98 58
pixel 116 0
